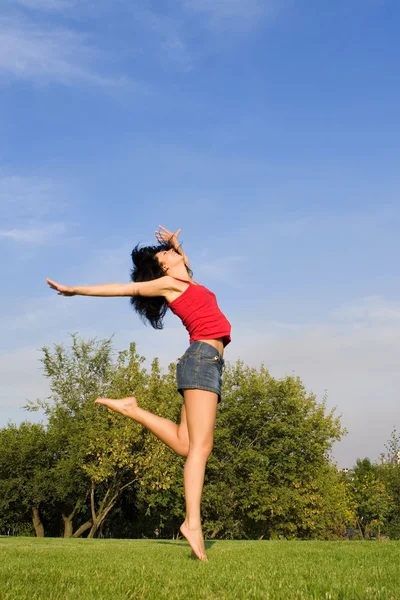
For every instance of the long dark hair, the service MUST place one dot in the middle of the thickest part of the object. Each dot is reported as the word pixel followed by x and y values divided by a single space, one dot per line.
pixel 146 268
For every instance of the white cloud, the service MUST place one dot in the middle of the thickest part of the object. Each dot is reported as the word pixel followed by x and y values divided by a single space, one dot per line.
pixel 21 378
pixel 164 35
pixel 24 197
pixel 48 5
pixel 38 235
pixel 33 52
pixel 30 210
pixel 176 50
pixel 371 308
pixel 355 362
pixel 189 32
pixel 357 367
pixel 227 8
pixel 232 14
pixel 22 323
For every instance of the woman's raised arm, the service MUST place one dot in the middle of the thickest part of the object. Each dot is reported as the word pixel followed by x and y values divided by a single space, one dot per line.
pixel 163 235
pixel 155 287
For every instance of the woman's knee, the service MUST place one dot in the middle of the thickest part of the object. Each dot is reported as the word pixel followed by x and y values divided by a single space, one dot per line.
pixel 201 448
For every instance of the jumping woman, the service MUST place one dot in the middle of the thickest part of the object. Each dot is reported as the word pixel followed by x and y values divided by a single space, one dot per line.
pixel 162 279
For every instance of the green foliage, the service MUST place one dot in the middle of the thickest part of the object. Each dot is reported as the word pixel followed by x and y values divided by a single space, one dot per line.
pixel 25 463
pixel 389 472
pixel 99 451
pixel 269 476
pixel 372 501
pixel 160 490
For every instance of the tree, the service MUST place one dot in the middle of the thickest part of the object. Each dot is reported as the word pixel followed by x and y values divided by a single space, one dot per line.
pixel 160 497
pixel 101 453
pixel 25 484
pixel 96 448
pixel 270 474
pixel 373 503
pixel 389 472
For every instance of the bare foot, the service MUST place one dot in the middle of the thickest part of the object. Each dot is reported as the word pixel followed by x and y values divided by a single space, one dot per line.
pixel 196 540
pixel 125 406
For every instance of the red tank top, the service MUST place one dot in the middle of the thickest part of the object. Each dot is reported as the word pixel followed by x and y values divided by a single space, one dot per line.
pixel 198 309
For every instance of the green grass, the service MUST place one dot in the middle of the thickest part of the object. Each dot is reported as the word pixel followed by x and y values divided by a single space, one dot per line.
pixel 50 569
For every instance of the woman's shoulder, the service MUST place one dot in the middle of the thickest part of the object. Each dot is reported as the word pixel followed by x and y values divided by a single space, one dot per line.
pixel 176 285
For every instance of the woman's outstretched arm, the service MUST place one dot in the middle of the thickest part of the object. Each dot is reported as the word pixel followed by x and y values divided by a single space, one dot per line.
pixel 156 287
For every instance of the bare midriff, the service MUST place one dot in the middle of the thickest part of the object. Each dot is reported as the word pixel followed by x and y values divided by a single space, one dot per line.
pixel 218 344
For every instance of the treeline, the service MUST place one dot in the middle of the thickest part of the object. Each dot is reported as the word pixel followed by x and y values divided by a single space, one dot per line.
pixel 90 472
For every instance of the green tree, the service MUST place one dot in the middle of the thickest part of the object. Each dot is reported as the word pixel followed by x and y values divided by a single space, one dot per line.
pixel 389 472
pixel 270 474
pixel 160 495
pixel 26 463
pixel 101 453
pixel 96 448
pixel 373 503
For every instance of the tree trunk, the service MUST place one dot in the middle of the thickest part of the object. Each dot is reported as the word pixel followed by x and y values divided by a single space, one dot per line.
pixel 110 499
pixel 95 520
pixel 360 530
pixel 214 533
pixel 37 523
pixel 93 530
pixel 99 521
pixel 68 527
pixel 100 532
pixel 83 528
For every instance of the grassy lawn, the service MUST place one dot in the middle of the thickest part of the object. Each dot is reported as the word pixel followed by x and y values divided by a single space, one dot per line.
pixel 47 569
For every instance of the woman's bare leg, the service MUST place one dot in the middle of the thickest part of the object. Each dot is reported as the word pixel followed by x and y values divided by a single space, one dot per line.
pixel 173 435
pixel 201 410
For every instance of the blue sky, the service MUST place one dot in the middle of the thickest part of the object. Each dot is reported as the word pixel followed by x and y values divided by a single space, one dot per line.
pixel 267 130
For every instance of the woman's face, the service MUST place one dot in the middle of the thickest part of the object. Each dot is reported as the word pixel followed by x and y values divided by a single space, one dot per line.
pixel 168 258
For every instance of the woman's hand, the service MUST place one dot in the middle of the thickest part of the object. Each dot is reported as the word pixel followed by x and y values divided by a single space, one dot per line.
pixel 164 236
pixel 63 290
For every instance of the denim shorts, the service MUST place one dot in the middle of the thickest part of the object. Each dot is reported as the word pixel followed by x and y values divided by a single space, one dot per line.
pixel 200 368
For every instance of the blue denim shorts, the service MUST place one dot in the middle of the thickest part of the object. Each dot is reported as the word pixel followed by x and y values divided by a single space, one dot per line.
pixel 200 368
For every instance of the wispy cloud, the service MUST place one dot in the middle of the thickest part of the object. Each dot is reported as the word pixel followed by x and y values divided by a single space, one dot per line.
pixel 48 5
pixel 232 14
pixel 35 235
pixel 159 34
pixel 355 363
pixel 176 50
pixel 370 309
pixel 190 32
pixel 30 210
pixel 227 8
pixel 39 50
pixel 25 197
pixel 40 53
pixel 22 379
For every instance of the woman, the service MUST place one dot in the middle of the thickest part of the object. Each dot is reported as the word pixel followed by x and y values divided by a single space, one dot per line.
pixel 162 279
